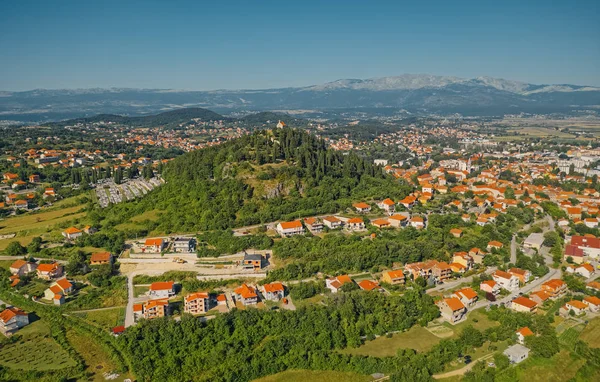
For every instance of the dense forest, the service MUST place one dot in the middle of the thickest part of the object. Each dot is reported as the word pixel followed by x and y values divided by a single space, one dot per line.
pixel 245 344
pixel 263 177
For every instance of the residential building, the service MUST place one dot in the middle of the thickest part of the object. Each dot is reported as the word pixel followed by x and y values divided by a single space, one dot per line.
pixel 387 205
pixel 101 258
pixel 523 304
pixel 162 289
pixel 534 241
pixel 355 224
pixel 574 253
pixel 154 245
pixel 494 245
pixel 393 277
pixel 490 286
pixel 456 232
pixel 152 309
pixel 417 222
pixel 398 220
pixel 381 223
pixel 286 229
pixel 49 271
pixel 464 259
pixel 539 297
pixel 273 291
pixel 22 267
pixel 362 208
pixel 332 222
pixel 555 288
pixel 452 309
pixel 588 244
pixel 72 233
pixel 467 296
pixel 246 294
pixel 12 319
pixel 254 261
pixel 516 353
pixel 506 281
pixel 578 307
pixel 593 303
pixel 196 303
pixel 369 285
pixel 314 225
pixel 522 274
pixel 442 271
pixel 522 333
pixel 61 287
pixel 334 284
pixel 184 245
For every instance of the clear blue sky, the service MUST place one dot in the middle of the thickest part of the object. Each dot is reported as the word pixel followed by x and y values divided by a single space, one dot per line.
pixel 202 45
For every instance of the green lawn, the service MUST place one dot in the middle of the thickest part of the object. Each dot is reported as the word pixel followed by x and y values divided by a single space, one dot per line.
pixel 140 290
pixel 477 318
pixel 35 351
pixel 314 376
pixel 417 338
pixel 591 333
pixel 107 319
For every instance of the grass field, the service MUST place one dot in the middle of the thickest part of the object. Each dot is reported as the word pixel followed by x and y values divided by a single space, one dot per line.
pixel 36 351
pixel 417 338
pixel 139 290
pixel 134 222
pixel 561 367
pixel 591 333
pixel 97 360
pixel 570 336
pixel 107 318
pixel 28 226
pixel 314 376
pixel 477 319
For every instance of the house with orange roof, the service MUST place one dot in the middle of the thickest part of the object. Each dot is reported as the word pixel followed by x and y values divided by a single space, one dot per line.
pixel 393 277
pixel 398 220
pixel 417 222
pixel 522 274
pixel 355 224
pixel 593 285
pixel 408 202
pixel 332 222
pixel 522 333
pixel 464 259
pixel 494 245
pixel 273 291
pixel 72 233
pixel 196 303
pixel 452 309
pixel 441 271
pixel 381 223
pixel 101 258
pixel 585 270
pixel 12 319
pixel 151 309
pixel 286 229
pixel 578 307
pixel 593 303
pixel 314 225
pixel 539 297
pixel 22 267
pixel 506 280
pixel 334 284
pixel 523 304
pixel 490 286
pixel 58 290
pixel 154 245
pixel 456 232
pixel 555 288
pixel 162 289
pixel 49 271
pixel 34 178
pixel 387 205
pixel 246 294
pixel 10 176
pixel 369 285
pixel 467 296
pixel 362 208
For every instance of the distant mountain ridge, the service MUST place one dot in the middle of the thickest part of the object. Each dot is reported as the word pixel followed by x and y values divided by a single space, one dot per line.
pixel 416 93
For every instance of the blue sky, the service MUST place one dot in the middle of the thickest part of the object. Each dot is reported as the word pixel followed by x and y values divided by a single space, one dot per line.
pixel 202 45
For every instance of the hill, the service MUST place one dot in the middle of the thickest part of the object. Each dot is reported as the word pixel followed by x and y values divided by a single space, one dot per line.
pixel 416 93
pixel 168 119
pixel 269 175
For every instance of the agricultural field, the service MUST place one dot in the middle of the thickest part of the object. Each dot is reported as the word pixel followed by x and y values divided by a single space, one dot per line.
pixel 105 318
pixel 35 351
pixel 591 333
pixel 570 336
pixel 315 376
pixel 417 338
pixel 47 224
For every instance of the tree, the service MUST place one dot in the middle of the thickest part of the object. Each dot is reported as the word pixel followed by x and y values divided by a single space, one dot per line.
pixel 501 361
pixel 15 249
pixel 77 264
pixel 35 245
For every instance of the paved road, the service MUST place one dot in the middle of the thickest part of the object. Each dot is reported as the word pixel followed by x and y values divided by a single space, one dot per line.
pixel 513 249
pixel 455 283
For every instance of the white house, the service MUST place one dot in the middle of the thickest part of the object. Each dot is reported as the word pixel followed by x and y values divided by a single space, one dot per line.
pixel 506 281
pixel 517 353
pixel 332 222
pixel 12 319
pixel 162 289
pixel 286 229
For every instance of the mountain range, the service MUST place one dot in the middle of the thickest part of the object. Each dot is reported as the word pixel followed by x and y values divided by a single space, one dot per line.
pixel 412 93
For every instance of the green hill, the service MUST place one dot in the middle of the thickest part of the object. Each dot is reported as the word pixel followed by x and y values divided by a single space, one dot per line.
pixel 263 177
